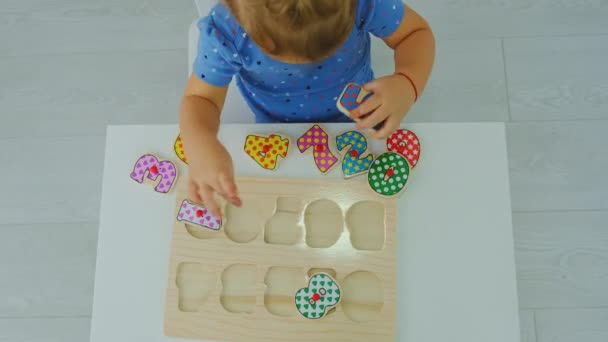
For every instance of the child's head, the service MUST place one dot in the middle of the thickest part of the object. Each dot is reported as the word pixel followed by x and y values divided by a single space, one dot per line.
pixel 298 30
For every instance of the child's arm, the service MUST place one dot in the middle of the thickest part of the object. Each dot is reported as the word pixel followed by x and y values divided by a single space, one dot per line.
pixel 414 46
pixel 210 165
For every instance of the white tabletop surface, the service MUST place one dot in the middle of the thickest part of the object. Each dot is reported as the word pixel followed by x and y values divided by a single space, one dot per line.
pixel 456 268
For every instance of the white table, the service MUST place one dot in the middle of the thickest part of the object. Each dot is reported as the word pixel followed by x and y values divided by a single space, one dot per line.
pixel 456 269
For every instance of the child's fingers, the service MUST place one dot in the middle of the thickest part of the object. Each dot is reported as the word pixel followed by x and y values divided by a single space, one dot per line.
pixel 366 107
pixel 373 119
pixel 229 189
pixel 390 125
pixel 207 196
pixel 371 86
pixel 193 193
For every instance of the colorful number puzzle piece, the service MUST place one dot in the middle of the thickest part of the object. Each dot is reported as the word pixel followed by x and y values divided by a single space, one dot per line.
pixel 353 164
pixel 389 174
pixel 317 138
pixel 165 170
pixel 267 150
pixel 198 215
pixel 407 144
pixel 322 294
pixel 352 96
pixel 179 149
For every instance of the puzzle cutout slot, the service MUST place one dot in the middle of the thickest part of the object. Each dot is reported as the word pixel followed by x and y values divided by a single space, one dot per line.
pixel 300 258
pixel 238 290
pixel 291 221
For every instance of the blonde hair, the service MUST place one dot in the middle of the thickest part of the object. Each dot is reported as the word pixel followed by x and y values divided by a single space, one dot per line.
pixel 310 29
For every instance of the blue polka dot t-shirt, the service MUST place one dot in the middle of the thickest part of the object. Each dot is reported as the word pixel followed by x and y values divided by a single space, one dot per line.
pixel 283 92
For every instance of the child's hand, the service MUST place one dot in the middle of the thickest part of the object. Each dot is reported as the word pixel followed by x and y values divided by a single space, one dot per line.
pixel 392 99
pixel 212 174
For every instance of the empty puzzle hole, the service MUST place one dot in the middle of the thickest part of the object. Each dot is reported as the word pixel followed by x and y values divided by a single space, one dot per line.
pixel 363 296
pixel 238 288
pixel 365 221
pixel 284 228
pixel 242 224
pixel 324 223
pixel 194 284
pixel 281 285
pixel 201 232
pixel 329 271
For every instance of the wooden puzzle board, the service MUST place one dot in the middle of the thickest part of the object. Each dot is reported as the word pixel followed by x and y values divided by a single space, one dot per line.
pixel 238 284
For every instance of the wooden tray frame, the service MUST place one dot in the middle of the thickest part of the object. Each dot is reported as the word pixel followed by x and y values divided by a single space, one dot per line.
pixel 212 321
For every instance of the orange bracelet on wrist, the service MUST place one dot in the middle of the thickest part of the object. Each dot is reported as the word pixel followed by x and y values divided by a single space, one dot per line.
pixel 411 82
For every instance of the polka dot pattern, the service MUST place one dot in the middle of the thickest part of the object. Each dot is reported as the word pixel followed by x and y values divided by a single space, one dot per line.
pixel 266 150
pixel 179 149
pixel 352 163
pixel 406 143
pixel 389 174
pixel 275 89
pixel 352 97
pixel 317 139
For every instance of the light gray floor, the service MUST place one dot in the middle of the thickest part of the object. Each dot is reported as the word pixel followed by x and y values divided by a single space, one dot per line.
pixel 69 67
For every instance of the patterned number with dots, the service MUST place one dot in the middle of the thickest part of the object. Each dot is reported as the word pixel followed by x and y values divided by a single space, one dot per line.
pixel 350 98
pixel 353 164
pixel 317 139
pixel 179 149
pixel 266 150
pixel 389 174
pixel 407 144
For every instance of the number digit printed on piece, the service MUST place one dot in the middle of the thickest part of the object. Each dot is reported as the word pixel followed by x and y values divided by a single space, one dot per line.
pixel 165 170
pixel 389 174
pixel 322 294
pixel 407 144
pixel 353 163
pixel 198 215
pixel 266 150
pixel 317 139
pixel 352 96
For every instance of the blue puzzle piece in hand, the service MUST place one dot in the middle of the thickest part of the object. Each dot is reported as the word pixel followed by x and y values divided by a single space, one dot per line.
pixel 349 100
pixel 350 97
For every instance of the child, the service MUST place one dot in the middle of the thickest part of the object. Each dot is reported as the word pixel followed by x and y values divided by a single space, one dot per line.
pixel 292 59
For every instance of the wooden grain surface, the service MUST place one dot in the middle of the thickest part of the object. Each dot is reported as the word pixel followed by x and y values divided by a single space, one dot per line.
pixel 74 26
pixel 52 329
pixel 561 78
pixel 527 322
pixel 558 165
pixel 573 325
pixel 42 280
pixel 464 86
pixel 562 259
pixel 455 19
pixel 212 319
pixel 119 88
pixel 51 180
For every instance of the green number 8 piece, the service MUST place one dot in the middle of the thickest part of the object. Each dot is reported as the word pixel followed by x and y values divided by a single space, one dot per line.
pixel 322 293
